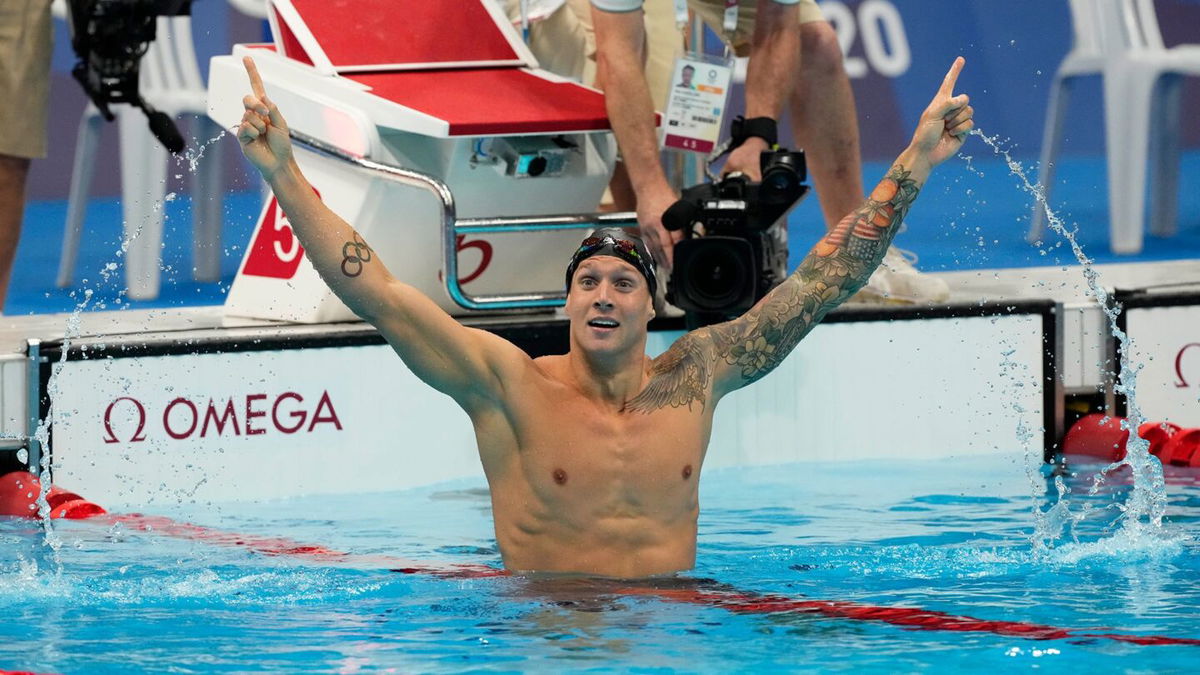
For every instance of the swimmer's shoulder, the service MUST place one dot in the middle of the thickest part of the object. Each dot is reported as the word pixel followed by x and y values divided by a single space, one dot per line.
pixel 552 373
pixel 551 366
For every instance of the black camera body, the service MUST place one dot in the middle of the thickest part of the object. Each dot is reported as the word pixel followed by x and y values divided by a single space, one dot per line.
pixel 734 247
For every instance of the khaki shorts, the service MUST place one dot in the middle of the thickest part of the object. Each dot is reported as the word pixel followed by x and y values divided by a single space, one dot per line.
pixel 664 44
pixel 565 43
pixel 25 42
pixel 712 12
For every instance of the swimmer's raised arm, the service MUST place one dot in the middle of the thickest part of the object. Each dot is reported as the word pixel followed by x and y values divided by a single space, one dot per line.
pixel 465 363
pixel 739 352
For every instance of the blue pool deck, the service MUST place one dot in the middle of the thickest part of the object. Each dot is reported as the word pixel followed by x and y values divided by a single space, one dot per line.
pixel 970 216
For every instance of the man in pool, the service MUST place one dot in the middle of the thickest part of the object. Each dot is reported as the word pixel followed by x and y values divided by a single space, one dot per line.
pixel 593 457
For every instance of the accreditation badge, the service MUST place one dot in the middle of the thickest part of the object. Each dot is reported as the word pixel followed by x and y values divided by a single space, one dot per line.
pixel 696 103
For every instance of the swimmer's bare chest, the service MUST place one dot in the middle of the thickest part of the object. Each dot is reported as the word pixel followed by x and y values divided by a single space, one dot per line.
pixel 567 473
pixel 620 457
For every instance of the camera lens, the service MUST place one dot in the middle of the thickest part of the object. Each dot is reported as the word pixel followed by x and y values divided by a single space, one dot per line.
pixel 779 181
pixel 537 166
pixel 716 277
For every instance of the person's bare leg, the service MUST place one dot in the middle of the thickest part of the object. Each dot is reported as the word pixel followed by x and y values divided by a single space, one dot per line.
pixel 662 45
pixel 624 198
pixel 13 171
pixel 825 123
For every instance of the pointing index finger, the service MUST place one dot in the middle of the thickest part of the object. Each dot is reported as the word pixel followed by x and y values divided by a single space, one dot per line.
pixel 256 84
pixel 947 88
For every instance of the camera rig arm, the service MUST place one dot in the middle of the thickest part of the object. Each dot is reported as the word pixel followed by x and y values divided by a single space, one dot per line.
pixel 109 38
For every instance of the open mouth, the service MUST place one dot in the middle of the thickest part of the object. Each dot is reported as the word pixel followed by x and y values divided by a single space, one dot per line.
pixel 603 324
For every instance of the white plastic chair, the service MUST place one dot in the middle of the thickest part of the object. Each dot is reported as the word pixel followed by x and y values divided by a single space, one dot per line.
pixel 1121 40
pixel 170 82
pixel 254 8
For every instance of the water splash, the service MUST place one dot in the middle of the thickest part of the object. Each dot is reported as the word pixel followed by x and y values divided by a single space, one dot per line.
pixel 193 155
pixel 1142 513
pixel 73 330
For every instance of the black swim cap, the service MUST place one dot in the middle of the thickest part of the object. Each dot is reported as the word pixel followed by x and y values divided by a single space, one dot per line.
pixel 617 243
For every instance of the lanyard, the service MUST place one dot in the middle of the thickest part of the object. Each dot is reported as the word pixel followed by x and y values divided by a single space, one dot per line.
pixel 731 12
pixel 730 20
pixel 681 14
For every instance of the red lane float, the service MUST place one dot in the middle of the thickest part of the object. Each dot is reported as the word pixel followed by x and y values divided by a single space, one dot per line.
pixel 14 500
pixel 19 492
pixel 1102 437
pixel 912 618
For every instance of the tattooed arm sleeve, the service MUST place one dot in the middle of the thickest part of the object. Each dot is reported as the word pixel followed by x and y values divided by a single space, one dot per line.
pixel 710 362
pixel 749 347
pixel 717 359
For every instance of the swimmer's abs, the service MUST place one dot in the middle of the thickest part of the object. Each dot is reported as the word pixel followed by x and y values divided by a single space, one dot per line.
pixel 623 548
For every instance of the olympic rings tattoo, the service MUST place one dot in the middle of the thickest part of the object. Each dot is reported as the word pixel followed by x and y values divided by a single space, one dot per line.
pixel 352 261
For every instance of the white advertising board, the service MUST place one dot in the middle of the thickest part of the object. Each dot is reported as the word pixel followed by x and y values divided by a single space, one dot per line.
pixel 922 389
pixel 270 424
pixel 252 425
pixel 1166 348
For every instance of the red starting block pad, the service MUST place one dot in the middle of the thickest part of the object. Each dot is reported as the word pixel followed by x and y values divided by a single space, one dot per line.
pixel 489 102
pixel 342 36
pixel 456 61
pixel 494 102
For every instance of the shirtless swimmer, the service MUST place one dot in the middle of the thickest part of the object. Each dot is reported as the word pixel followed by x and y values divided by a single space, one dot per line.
pixel 593 457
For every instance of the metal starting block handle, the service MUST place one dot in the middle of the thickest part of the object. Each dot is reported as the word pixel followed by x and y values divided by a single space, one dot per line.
pixel 451 227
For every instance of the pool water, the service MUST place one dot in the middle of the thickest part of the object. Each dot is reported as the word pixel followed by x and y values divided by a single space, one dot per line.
pixel 952 536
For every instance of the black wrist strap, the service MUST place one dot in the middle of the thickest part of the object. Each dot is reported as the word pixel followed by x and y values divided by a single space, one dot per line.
pixel 763 127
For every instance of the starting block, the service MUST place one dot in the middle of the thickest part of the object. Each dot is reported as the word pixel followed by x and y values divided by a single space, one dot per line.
pixel 411 117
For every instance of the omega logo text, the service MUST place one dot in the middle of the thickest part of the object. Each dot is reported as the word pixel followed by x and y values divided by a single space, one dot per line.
pixel 109 436
pixel 250 415
pixel 1179 363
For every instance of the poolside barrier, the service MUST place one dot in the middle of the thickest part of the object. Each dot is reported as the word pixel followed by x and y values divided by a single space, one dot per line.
pixel 1103 437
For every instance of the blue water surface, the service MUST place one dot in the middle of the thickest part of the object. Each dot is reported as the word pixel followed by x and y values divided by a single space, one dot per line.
pixel 948 536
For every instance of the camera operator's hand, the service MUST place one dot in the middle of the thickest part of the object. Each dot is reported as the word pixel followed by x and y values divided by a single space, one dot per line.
pixel 263 134
pixel 747 158
pixel 944 124
pixel 659 240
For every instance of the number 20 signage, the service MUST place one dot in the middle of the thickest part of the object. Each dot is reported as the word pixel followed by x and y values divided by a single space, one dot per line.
pixel 878 25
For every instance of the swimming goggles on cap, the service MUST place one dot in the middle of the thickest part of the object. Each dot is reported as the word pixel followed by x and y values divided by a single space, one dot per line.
pixel 625 246
pixel 624 249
